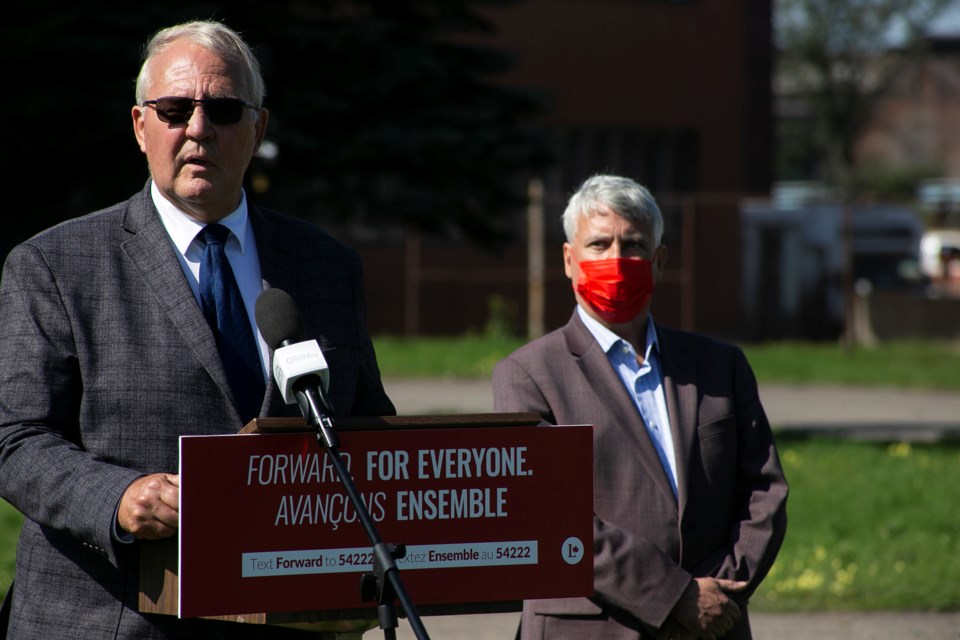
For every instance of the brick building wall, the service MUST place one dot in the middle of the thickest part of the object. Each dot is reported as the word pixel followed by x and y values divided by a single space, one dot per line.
pixel 676 95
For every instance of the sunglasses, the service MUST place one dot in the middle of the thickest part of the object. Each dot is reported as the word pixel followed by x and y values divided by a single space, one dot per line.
pixel 174 110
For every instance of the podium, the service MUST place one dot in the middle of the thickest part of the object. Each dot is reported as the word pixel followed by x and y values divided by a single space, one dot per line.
pixel 492 510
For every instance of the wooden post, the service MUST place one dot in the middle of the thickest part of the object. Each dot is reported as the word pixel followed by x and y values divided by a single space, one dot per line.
pixel 411 292
pixel 535 260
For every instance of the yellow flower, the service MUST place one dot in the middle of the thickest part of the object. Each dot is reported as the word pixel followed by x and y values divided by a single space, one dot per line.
pixel 790 458
pixel 899 449
pixel 809 580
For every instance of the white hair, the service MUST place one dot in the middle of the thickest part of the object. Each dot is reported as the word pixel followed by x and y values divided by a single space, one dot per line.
pixel 216 37
pixel 623 196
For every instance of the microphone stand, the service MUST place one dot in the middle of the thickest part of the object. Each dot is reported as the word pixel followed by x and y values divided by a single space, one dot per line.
pixel 384 583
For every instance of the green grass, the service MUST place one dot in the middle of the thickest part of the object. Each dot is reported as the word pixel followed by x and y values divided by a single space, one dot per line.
pixel 467 357
pixel 10 520
pixel 870 527
pixel 907 364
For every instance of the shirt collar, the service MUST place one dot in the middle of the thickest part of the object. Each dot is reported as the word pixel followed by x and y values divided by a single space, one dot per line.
pixel 608 339
pixel 183 228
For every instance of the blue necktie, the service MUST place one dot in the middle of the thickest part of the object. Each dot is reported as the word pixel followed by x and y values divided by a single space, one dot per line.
pixel 227 317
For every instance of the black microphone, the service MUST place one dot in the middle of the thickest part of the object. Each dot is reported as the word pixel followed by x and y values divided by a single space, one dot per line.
pixel 299 368
pixel 278 318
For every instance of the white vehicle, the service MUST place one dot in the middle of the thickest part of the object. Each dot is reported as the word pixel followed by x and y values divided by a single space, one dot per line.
pixel 940 254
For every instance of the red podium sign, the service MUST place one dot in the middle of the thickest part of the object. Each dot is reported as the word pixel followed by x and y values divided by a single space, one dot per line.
pixel 486 514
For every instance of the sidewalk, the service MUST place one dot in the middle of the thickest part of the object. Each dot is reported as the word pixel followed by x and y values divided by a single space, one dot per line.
pixel 830 411
pixel 865 413
pixel 787 626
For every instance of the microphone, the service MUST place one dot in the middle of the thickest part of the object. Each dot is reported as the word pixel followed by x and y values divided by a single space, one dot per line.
pixel 299 368
pixel 303 377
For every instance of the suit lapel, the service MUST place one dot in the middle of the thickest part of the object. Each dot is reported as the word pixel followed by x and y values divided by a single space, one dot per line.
pixel 614 400
pixel 278 269
pixel 278 259
pixel 679 371
pixel 152 253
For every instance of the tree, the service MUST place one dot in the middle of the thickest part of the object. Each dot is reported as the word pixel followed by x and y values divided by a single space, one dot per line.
pixel 384 113
pixel 837 57
pixel 408 126
pixel 66 139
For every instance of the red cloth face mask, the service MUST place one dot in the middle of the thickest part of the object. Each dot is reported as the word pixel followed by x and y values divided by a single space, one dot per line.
pixel 618 289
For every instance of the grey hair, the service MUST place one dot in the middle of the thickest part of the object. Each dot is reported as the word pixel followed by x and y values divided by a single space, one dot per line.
pixel 623 196
pixel 213 36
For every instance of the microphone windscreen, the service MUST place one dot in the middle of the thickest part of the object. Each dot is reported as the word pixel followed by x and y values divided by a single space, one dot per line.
pixel 278 317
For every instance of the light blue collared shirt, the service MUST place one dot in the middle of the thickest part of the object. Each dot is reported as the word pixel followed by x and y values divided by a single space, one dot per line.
pixel 644 382
pixel 241 250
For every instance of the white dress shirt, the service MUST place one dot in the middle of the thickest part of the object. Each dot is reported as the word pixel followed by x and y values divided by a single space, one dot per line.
pixel 240 248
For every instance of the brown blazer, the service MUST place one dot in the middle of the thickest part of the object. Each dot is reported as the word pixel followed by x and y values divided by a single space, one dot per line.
pixel 730 517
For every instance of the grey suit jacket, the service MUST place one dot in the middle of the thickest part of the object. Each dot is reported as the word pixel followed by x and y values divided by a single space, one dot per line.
pixel 730 517
pixel 107 360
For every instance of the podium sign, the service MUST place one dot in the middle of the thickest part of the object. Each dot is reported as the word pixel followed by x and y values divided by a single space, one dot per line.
pixel 486 515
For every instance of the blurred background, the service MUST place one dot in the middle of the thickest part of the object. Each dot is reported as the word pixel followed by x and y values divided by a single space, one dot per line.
pixel 806 153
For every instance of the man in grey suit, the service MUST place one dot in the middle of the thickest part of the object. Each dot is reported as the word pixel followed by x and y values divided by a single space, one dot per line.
pixel 108 356
pixel 689 495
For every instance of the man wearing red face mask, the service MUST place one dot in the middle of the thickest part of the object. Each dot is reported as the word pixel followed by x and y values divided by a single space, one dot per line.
pixel 689 495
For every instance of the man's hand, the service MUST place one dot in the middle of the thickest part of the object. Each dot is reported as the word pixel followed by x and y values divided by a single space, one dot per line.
pixel 150 507
pixel 705 610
